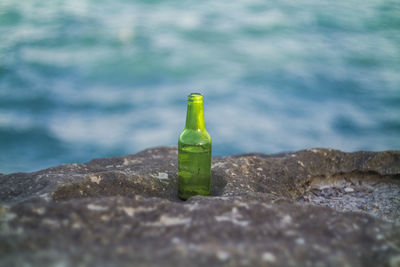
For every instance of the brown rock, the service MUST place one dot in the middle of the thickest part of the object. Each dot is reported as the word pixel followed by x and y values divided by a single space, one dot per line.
pixel 315 207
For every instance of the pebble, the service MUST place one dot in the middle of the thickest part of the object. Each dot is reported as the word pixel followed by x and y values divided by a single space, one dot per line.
pixel 222 255
pixel 162 176
pixel 349 190
pixel 268 257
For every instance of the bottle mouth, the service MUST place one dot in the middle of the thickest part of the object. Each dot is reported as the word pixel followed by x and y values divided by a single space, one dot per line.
pixel 195 97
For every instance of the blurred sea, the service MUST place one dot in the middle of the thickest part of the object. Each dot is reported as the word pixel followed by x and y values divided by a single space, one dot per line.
pixel 81 79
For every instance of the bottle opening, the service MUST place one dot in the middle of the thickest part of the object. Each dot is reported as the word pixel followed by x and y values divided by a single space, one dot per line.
pixel 195 97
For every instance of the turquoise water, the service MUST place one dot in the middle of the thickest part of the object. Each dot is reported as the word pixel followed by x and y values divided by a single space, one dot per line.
pixel 83 79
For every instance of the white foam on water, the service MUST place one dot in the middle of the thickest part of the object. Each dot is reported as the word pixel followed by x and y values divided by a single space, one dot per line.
pixel 275 76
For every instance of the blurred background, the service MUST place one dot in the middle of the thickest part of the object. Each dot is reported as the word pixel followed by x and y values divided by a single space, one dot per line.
pixel 83 79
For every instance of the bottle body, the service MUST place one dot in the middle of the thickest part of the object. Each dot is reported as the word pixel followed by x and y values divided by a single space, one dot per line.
pixel 194 152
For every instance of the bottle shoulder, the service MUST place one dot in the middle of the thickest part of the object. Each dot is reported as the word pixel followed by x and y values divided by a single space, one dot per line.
pixel 193 137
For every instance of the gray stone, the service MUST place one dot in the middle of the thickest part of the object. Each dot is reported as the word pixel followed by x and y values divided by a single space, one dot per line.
pixel 317 207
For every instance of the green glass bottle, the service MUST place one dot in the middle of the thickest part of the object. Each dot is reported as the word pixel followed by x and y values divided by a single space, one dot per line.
pixel 194 152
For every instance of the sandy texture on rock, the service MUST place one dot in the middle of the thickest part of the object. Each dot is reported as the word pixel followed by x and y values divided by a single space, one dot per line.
pixel 315 207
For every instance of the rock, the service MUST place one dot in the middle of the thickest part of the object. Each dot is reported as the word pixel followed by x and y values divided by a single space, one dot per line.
pixel 292 209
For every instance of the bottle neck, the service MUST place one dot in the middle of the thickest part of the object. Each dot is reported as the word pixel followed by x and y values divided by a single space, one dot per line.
pixel 195 113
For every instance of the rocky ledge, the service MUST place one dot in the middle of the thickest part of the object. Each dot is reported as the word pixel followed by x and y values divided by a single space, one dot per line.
pixel 317 207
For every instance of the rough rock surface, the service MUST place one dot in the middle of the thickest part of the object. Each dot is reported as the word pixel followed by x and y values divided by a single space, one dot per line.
pixel 315 207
